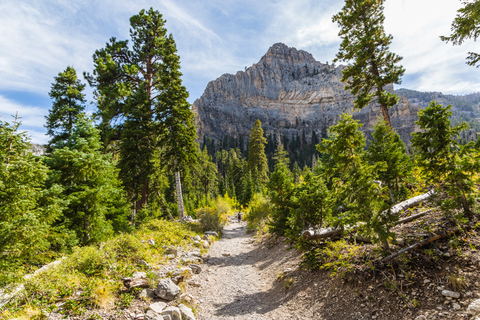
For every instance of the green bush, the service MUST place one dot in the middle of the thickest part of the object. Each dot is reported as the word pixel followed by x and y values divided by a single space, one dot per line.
pixel 87 260
pixel 212 219
pixel 260 209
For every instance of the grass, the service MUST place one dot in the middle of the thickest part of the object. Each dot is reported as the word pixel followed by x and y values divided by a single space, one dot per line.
pixel 91 277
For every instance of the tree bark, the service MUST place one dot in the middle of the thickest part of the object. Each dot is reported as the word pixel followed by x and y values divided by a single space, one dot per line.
pixel 178 184
pixel 322 233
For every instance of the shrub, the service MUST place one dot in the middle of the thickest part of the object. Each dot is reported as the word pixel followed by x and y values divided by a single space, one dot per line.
pixel 260 209
pixel 211 219
pixel 87 260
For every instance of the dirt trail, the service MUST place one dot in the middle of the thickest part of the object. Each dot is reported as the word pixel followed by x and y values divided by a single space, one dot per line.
pixel 238 281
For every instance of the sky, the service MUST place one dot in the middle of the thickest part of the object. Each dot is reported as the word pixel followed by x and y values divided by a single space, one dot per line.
pixel 40 38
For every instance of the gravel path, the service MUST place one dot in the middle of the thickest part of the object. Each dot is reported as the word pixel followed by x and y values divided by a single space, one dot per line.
pixel 234 283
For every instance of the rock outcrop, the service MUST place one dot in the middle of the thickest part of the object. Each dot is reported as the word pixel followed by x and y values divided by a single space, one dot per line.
pixel 289 91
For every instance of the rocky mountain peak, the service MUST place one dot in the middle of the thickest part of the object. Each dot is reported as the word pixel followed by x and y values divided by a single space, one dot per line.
pixel 292 94
pixel 281 53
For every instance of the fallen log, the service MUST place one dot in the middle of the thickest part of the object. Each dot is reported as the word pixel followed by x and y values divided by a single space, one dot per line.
pixel 421 244
pixel 323 233
pixel 414 217
pixel 410 202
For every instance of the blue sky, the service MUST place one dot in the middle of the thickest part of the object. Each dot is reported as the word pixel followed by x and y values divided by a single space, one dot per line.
pixel 40 38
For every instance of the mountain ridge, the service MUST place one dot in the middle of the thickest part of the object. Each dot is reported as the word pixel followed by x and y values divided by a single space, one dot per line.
pixel 291 93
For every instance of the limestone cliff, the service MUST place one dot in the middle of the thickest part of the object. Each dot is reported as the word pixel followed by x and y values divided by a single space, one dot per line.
pixel 289 91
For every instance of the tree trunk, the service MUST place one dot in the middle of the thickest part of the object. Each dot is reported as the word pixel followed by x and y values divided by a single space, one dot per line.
pixel 143 202
pixel 329 232
pixel 386 116
pixel 178 185
pixel 422 243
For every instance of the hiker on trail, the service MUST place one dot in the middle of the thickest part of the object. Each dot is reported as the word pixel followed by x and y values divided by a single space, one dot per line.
pixel 239 216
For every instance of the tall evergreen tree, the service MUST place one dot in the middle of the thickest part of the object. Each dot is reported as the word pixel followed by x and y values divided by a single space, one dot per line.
pixel 91 186
pixel 393 166
pixel 366 46
pixel 280 190
pixel 26 207
pixel 257 160
pixel 352 179
pixel 68 103
pixel 466 25
pixel 142 103
pixel 445 163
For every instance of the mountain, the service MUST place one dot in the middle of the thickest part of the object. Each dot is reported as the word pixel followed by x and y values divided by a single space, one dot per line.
pixel 292 94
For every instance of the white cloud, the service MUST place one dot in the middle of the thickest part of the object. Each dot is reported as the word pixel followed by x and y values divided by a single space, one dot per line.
pixel 32 118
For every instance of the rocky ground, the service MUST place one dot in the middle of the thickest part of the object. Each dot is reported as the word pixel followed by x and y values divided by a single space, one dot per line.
pixel 244 279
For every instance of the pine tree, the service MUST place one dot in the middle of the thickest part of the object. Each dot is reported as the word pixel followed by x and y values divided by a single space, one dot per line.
pixel 257 160
pixel 142 103
pixel 68 103
pixel 445 163
pixel 280 190
pixel 466 25
pixel 27 208
pixel 393 166
pixel 352 180
pixel 91 187
pixel 365 44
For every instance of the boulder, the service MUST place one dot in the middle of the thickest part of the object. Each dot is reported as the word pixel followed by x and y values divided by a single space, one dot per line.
pixel 187 313
pixel 167 290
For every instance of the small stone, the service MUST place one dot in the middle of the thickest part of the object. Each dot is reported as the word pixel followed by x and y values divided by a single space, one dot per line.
pixel 197 238
pixel 138 275
pixel 195 268
pixel 474 307
pixel 187 313
pixel 173 312
pixel 205 243
pixel 151 242
pixel 452 294
pixel 185 297
pixel 211 233
pixel 167 290
pixel 157 307
pixel 171 251
pixel 421 318
pixel 426 281
pixel 150 315
pixel 143 263
pixel 193 283
pixel 146 294
pixel 456 306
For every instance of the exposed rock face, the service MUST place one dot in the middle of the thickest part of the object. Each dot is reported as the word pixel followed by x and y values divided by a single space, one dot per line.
pixel 288 90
